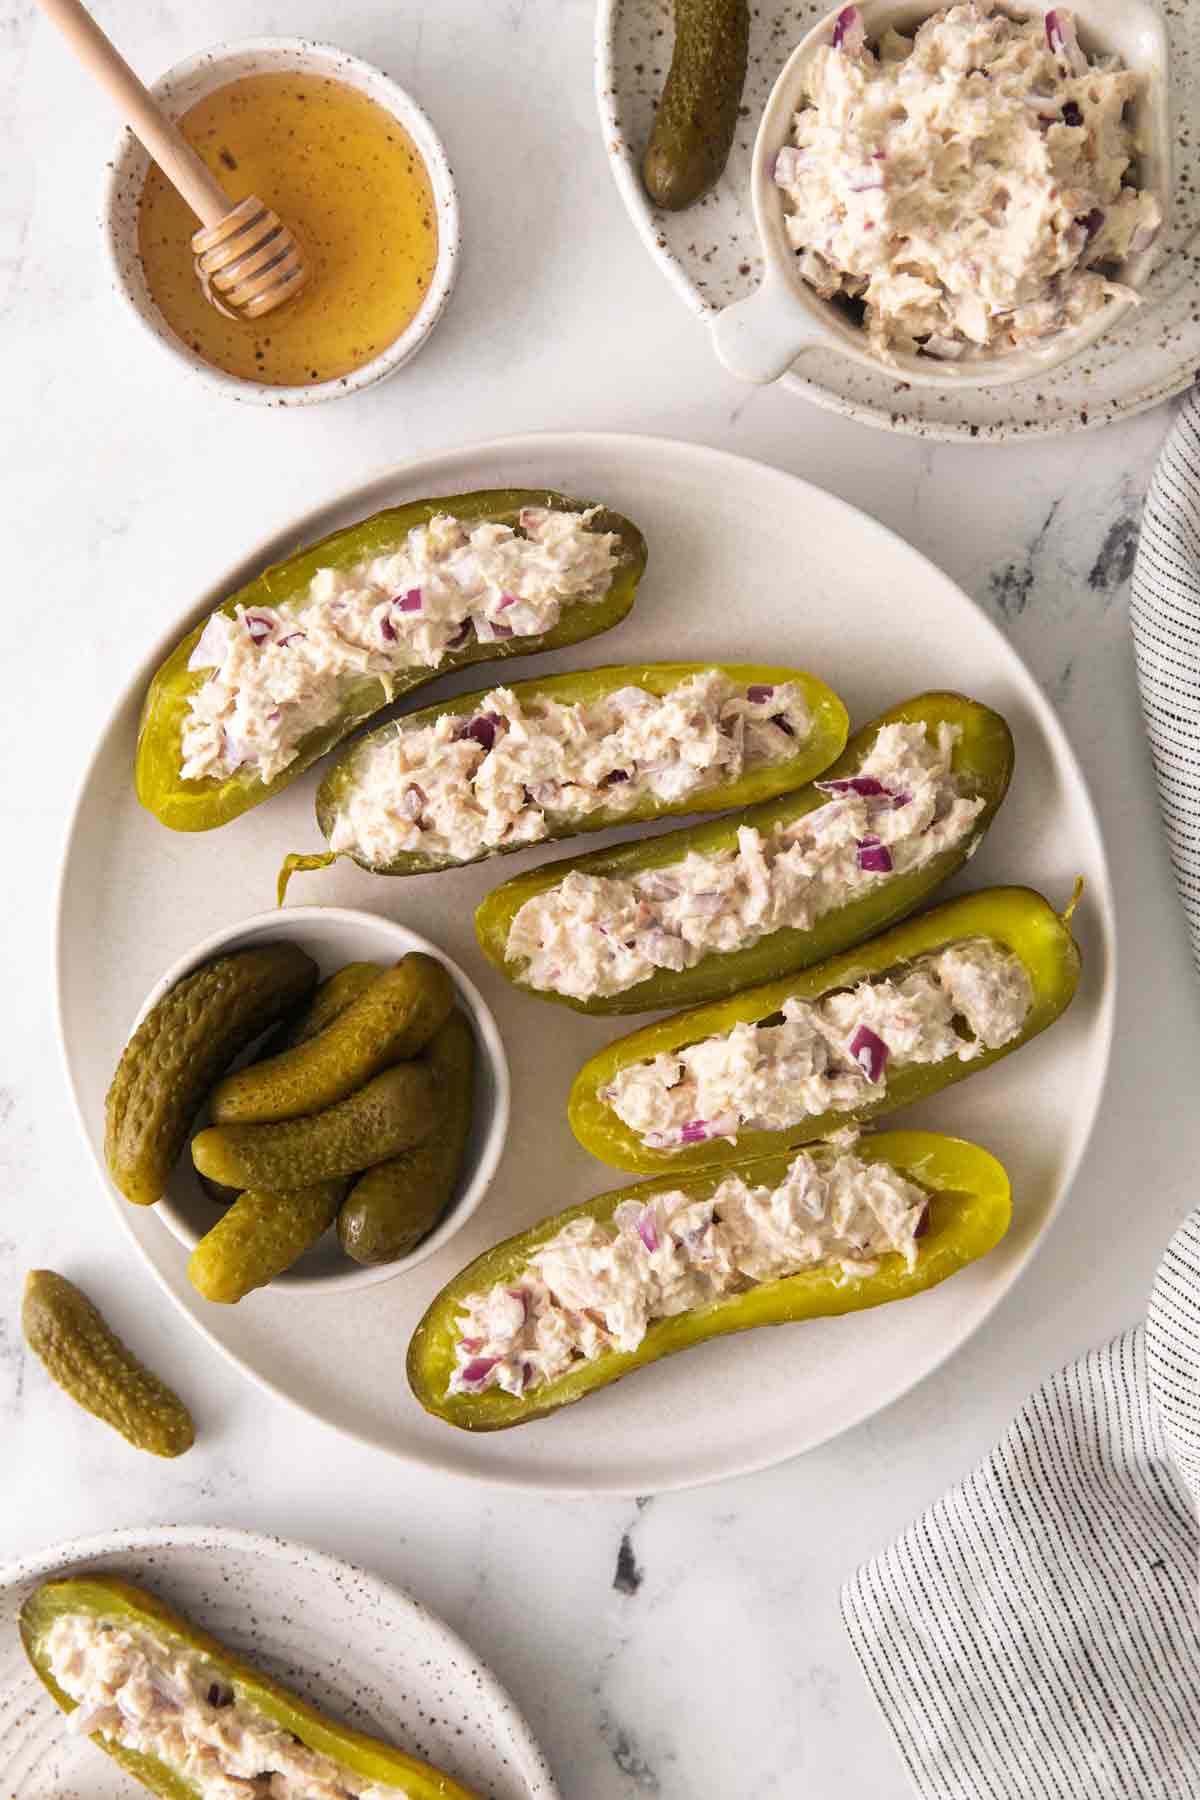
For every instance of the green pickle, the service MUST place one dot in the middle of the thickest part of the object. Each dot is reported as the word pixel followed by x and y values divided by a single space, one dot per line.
pixel 969 1211
pixel 698 111
pixel 824 743
pixel 392 1018
pixel 1017 918
pixel 203 804
pixel 331 999
pixel 120 1603
pixel 982 765
pixel 260 1236
pixel 187 1039
pixel 82 1353
pixel 394 1205
pixel 390 1113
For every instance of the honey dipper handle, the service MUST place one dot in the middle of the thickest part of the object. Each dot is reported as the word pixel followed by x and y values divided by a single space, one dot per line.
pixel 161 137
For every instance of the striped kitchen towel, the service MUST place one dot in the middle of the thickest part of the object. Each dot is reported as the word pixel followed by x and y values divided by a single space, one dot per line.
pixel 1036 1635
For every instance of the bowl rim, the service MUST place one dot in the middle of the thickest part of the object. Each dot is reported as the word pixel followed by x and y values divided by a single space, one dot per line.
pixel 834 333
pixel 313 55
pixel 294 923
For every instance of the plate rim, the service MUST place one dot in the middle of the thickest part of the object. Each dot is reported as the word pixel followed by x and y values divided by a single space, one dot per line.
pixel 128 1540
pixel 623 167
pixel 303 528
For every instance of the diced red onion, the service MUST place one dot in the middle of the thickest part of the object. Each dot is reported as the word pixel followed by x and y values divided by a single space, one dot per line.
pixel 758 693
pixel 873 857
pixel 531 518
pixel 483 728
pixel 779 720
pixel 848 30
pixel 647 1229
pixel 413 801
pixel 460 637
pixel 521 1294
pixel 274 716
pixel 865 786
pixel 1092 222
pixel 1060 35
pixel 869 1052
pixel 291 638
pixel 471 1344
pixel 409 602
pixel 614 777
pixel 865 181
pixel 386 628
pixel 694 1132
pixel 1071 114
pixel 500 631
pixel 785 169
pixel 507 600
pixel 526 1375
pixel 259 628
pixel 479 1368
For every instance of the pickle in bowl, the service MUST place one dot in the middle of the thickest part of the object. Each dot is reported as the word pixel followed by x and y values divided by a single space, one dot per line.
pixel 304 654
pixel 585 1298
pixel 700 912
pixel 927 1004
pixel 506 768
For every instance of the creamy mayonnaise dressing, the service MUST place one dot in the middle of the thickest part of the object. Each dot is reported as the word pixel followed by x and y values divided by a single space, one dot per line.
pixel 969 186
pixel 517 769
pixel 827 1055
pixel 597 1287
pixel 280 672
pixel 595 934
pixel 172 1704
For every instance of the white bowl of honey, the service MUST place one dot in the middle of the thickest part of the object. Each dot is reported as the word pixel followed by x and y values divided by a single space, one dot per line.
pixel 350 162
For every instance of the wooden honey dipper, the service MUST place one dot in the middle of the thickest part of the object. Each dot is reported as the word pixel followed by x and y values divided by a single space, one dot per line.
pixel 247 260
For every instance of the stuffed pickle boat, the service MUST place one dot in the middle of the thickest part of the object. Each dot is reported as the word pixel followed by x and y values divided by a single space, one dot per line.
pixel 592 1294
pixel 701 912
pixel 305 653
pixel 497 771
pixel 924 1005
pixel 188 1717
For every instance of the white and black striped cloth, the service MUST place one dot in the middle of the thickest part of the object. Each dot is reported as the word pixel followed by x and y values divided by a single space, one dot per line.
pixel 1036 1635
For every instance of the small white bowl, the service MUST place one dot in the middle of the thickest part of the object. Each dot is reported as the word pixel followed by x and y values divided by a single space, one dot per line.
pixel 332 936
pixel 760 337
pixel 194 78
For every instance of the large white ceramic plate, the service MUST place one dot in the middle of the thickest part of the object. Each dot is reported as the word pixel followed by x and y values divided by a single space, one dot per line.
pixel 745 563
pixel 711 256
pixel 355 1646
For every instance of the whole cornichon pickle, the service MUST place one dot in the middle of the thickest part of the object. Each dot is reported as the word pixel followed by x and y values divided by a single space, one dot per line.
pixel 392 1112
pixel 969 1211
pixel 200 805
pixel 981 765
pixel 393 1018
pixel 186 1040
pixel 698 112
pixel 260 1236
pixel 89 1362
pixel 108 1600
pixel 1013 918
pixel 813 753
pixel 394 1205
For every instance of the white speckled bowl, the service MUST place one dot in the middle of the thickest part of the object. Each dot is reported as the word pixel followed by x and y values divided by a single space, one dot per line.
pixel 332 936
pixel 760 337
pixel 350 1643
pixel 191 80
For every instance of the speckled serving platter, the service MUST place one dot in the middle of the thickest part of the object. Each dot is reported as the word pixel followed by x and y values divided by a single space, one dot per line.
pixel 711 256
pixel 352 1644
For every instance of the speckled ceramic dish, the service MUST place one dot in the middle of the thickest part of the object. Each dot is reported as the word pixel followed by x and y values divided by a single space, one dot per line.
pixel 191 80
pixel 712 255
pixel 352 1644
pixel 333 936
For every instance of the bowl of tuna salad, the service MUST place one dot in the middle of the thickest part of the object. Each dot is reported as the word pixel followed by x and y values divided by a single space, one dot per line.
pixel 966 196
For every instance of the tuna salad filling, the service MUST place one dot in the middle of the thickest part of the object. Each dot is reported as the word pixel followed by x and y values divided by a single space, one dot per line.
pixel 522 768
pixel 829 1055
pixel 597 1287
pixel 969 188
pixel 279 673
pixel 593 934
pixel 172 1704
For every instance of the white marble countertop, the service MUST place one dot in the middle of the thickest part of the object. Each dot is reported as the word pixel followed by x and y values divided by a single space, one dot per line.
pixel 691 1644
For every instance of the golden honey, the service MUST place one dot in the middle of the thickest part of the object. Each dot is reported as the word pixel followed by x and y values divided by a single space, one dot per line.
pixel 348 180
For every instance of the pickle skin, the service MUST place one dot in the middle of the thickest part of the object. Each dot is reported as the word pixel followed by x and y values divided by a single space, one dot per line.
pixel 260 1236
pixel 332 997
pixel 205 804
pixel 393 1018
pixel 982 765
pixel 393 1111
pixel 698 111
pixel 1017 918
pixel 394 1205
pixel 969 1212
pixel 81 1352
pixel 180 1048
pixel 121 1603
